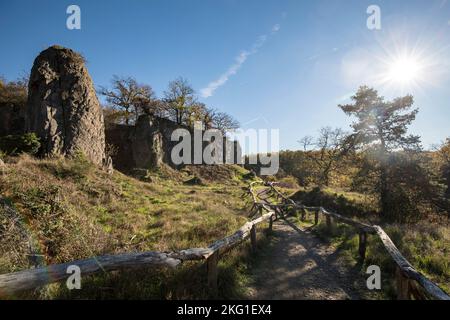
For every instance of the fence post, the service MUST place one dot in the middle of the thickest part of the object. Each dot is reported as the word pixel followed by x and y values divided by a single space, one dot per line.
pixel 279 213
pixel 402 285
pixel 303 214
pixel 328 219
pixel 362 244
pixel 253 238
pixel 212 273
pixel 316 217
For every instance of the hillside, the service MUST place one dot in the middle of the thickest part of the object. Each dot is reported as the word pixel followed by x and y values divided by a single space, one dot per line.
pixel 67 209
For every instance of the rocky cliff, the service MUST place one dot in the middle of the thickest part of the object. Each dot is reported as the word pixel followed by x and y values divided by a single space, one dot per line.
pixel 63 109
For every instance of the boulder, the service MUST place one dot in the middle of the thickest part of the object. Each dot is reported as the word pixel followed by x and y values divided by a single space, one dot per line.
pixel 63 109
pixel 194 181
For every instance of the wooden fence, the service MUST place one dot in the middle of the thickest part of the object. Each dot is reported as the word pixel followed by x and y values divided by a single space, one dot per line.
pixel 409 280
pixel 16 282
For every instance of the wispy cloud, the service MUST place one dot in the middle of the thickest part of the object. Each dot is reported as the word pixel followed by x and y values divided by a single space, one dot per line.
pixel 316 56
pixel 275 28
pixel 239 60
pixel 258 118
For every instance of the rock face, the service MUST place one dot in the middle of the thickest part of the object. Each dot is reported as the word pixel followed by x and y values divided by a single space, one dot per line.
pixel 63 109
pixel 148 144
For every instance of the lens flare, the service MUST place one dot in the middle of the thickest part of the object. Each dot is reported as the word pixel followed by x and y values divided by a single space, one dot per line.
pixel 404 70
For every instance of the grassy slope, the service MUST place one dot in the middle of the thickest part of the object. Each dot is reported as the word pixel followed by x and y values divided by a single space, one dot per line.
pixel 71 210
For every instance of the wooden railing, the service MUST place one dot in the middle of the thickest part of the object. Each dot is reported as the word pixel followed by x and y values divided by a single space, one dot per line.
pixel 410 282
pixel 13 283
pixel 407 276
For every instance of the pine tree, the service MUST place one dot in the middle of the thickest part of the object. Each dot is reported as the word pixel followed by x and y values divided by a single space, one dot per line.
pixel 382 126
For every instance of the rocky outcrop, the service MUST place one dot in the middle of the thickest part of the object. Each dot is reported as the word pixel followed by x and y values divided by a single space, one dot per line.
pixel 63 109
pixel 148 144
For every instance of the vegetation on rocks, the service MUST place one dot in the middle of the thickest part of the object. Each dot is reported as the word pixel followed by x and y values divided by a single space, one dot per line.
pixel 17 144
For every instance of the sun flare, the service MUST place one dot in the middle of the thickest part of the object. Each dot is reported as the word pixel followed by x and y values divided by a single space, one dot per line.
pixel 404 70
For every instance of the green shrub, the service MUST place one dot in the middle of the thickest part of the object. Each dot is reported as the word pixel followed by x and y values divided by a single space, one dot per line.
pixel 340 203
pixel 78 168
pixel 288 182
pixel 17 144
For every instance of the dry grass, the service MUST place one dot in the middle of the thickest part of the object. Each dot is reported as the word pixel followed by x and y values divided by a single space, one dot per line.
pixel 68 209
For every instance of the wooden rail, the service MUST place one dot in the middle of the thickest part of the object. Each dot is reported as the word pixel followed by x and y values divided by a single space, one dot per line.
pixel 407 277
pixel 13 283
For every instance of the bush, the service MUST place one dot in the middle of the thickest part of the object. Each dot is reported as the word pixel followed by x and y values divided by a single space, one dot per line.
pixel 17 144
pixel 288 182
pixel 340 203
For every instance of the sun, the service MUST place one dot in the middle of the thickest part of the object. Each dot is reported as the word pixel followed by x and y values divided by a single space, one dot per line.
pixel 404 70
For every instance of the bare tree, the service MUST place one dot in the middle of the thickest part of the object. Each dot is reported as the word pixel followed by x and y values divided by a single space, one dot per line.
pixel 179 98
pixel 327 151
pixel 128 94
pixel 224 122
pixel 306 142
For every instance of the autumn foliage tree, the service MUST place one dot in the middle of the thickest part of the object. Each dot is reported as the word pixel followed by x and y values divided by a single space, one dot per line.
pixel 179 99
pixel 444 165
pixel 127 100
pixel 13 93
pixel 130 97
pixel 328 151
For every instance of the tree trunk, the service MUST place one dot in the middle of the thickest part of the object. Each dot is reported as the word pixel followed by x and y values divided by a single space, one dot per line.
pixel 127 116
pixel 384 201
pixel 326 175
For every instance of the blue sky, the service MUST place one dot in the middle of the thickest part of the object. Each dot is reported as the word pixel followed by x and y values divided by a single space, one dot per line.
pixel 271 64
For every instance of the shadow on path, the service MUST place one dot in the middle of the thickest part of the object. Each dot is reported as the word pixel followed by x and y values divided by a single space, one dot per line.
pixel 298 265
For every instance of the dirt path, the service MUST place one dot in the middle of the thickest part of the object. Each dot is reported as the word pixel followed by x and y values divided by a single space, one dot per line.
pixel 298 265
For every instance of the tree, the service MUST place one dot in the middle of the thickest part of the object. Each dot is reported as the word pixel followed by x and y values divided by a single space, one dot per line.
pixel 113 116
pixel 224 122
pixel 297 164
pixel 381 126
pixel 13 101
pixel 128 94
pixel 306 142
pixel 14 93
pixel 444 165
pixel 328 151
pixel 179 98
pixel 197 112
